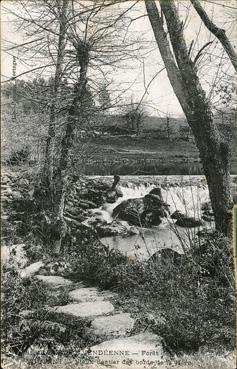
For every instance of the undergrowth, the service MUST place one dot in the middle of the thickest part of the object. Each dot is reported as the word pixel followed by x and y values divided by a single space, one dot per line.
pixel 196 297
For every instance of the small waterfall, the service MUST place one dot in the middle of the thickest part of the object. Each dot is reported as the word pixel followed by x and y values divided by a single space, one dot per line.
pixel 187 198
pixel 131 191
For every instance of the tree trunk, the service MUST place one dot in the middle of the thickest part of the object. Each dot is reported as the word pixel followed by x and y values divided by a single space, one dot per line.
pixel 60 174
pixel 214 153
pixel 50 141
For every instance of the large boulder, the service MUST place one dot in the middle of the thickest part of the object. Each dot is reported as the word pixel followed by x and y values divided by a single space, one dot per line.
pixel 155 203
pixel 147 211
pixel 130 210
pixel 151 218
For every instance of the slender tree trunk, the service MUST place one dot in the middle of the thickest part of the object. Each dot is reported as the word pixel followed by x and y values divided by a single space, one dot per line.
pixel 50 141
pixel 214 153
pixel 60 174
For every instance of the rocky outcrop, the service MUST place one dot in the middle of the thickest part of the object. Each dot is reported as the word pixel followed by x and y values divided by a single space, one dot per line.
pixel 130 210
pixel 147 211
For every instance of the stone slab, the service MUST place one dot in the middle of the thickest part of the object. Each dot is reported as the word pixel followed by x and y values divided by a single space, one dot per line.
pixel 86 309
pixel 117 325
pixel 85 294
pixel 143 350
pixel 32 269
pixel 53 280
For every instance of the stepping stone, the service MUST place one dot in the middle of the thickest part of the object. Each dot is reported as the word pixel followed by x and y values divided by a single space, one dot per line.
pixel 53 280
pixel 90 294
pixel 86 309
pixel 118 324
pixel 85 294
pixel 32 269
pixel 137 349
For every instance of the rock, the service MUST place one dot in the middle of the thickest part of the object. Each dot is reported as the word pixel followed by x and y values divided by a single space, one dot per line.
pixel 114 193
pixel 119 324
pixel 130 210
pixel 177 215
pixel 85 294
pixel 167 256
pixel 112 196
pixel 188 222
pixel 113 229
pixel 32 269
pixel 86 309
pixel 151 218
pixel 156 191
pixel 15 255
pixel 128 350
pixel 146 211
pixel 53 280
pixel 155 202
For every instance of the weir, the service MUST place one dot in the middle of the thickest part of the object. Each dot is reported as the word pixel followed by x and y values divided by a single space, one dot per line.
pixel 185 195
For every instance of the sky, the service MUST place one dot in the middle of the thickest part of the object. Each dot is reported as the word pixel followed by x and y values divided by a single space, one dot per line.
pixel 136 76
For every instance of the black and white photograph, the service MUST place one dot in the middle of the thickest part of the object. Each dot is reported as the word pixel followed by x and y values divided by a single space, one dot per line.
pixel 118 184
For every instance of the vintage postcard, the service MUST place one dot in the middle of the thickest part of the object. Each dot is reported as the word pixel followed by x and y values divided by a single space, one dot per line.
pixel 119 184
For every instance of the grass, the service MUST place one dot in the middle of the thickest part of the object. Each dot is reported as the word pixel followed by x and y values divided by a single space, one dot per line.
pixel 141 155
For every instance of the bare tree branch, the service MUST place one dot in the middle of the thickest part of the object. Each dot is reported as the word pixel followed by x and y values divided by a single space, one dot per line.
pixel 217 32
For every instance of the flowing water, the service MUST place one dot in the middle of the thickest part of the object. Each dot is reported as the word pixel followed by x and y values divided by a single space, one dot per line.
pixel 183 193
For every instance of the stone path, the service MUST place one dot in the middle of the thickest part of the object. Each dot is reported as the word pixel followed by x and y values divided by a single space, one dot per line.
pixel 119 348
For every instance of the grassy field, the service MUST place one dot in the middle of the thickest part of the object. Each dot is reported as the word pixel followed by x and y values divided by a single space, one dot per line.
pixel 146 154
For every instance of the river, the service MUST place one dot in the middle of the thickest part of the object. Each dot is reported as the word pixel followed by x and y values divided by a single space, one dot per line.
pixel 183 193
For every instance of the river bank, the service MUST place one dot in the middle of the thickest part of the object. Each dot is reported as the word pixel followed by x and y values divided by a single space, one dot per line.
pixel 160 296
